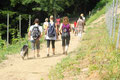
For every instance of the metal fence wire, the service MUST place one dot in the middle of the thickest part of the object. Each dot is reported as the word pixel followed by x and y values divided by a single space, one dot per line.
pixel 111 21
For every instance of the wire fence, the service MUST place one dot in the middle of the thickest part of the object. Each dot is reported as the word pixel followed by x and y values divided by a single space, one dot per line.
pixel 112 21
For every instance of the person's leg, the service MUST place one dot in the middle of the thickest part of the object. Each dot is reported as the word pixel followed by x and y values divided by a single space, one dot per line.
pixel 67 44
pixel 33 47
pixel 63 45
pixel 38 48
pixel 48 47
pixel 53 46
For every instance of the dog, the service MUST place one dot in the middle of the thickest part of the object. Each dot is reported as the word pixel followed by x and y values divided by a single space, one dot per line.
pixel 24 51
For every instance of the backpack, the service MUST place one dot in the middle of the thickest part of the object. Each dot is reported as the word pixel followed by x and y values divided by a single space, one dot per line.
pixel 65 31
pixel 36 32
pixel 51 30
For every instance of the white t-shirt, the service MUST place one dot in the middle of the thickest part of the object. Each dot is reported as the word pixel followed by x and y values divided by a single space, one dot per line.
pixel 31 27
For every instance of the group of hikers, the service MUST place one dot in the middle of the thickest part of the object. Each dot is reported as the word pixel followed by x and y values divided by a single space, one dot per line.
pixel 52 30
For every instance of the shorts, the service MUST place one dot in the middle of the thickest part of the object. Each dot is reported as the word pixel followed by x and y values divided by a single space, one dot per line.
pixel 65 41
pixel 35 43
pixel 52 42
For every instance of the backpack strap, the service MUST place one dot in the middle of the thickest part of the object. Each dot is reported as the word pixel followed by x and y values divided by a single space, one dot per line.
pixel 51 24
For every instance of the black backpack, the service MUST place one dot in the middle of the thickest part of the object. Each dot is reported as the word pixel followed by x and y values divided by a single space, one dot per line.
pixel 51 30
pixel 36 32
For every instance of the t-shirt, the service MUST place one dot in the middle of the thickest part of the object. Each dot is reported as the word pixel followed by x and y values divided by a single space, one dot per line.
pixel 75 24
pixel 45 25
pixel 58 21
pixel 31 27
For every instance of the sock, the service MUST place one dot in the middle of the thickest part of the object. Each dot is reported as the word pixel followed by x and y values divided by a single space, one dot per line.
pixel 66 48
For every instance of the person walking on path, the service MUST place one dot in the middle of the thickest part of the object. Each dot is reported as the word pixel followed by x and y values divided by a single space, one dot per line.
pixel 51 36
pixel 45 25
pixel 34 35
pixel 82 15
pixel 75 28
pixel 80 24
pixel 65 29
pixel 58 26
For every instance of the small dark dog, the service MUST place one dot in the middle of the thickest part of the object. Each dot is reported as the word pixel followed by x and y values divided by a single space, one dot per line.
pixel 24 51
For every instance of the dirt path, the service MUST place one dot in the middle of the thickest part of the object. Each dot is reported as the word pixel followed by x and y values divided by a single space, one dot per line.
pixel 14 68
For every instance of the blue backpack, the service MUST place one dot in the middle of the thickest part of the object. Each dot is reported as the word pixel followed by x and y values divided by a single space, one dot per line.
pixel 51 30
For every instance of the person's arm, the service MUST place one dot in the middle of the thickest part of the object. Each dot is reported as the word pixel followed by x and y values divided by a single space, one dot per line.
pixel 44 25
pixel 77 24
pixel 46 29
pixel 29 33
pixel 70 27
pixel 41 30
pixel 60 29
pixel 83 23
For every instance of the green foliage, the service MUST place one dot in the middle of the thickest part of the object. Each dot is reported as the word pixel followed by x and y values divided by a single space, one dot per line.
pixel 96 15
pixel 102 3
pixel 2 43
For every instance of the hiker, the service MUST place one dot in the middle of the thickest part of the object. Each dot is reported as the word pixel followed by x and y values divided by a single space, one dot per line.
pixel 82 15
pixel 45 25
pixel 65 29
pixel 58 26
pixel 34 35
pixel 75 28
pixel 51 36
pixel 79 25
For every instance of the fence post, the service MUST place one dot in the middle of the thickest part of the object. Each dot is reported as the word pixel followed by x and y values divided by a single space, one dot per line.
pixel 112 19
pixel 20 25
pixel 115 20
pixel 7 29
pixel 29 20
pixel 117 44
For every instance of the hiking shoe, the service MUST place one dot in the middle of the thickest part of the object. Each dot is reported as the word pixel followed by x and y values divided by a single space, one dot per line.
pixel 48 55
